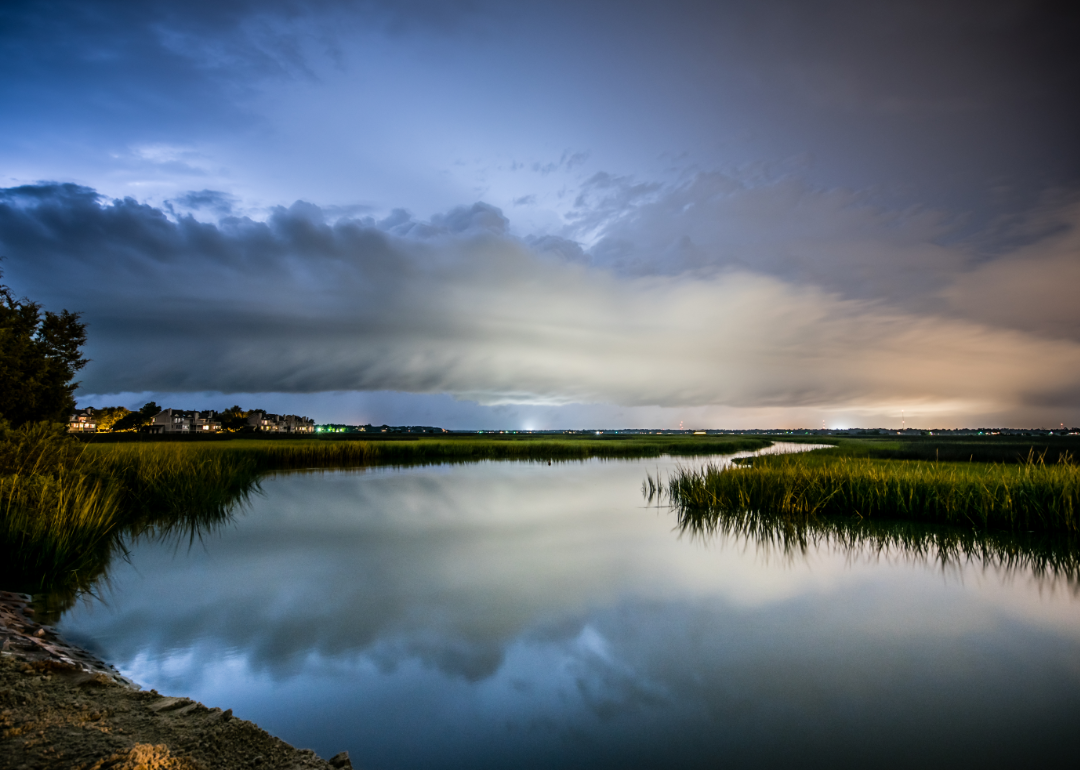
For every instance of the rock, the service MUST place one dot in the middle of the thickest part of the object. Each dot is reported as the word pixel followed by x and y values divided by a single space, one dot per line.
pixel 341 761
pixel 168 704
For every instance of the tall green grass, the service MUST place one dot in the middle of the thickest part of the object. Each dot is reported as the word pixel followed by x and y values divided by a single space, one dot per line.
pixel 55 510
pixel 279 454
pixel 1014 518
pixel 67 508
pixel 938 448
pixel 1031 497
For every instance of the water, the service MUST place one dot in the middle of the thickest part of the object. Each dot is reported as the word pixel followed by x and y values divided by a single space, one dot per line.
pixel 524 615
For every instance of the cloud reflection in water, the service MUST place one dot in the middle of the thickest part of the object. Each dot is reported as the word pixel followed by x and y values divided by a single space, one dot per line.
pixel 513 614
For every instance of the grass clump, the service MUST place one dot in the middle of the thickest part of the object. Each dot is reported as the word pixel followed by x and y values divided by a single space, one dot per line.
pixel 64 510
pixel 56 512
pixel 1033 496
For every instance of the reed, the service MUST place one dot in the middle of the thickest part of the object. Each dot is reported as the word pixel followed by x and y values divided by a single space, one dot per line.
pixel 1033 496
pixel 977 449
pixel 57 516
pixel 307 453
pixel 65 510
pixel 66 507
pixel 165 474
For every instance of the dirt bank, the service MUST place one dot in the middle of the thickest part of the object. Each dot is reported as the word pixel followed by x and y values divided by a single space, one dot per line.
pixel 63 708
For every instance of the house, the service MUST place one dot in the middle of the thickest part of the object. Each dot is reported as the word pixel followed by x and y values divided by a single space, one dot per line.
pixel 83 421
pixel 182 421
pixel 276 423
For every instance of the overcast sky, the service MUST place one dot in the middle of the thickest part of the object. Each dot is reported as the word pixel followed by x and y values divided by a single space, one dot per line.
pixel 549 214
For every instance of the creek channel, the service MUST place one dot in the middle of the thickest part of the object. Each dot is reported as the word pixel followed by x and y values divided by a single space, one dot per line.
pixel 518 614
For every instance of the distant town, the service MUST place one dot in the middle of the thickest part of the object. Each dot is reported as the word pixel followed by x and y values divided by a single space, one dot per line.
pixel 151 419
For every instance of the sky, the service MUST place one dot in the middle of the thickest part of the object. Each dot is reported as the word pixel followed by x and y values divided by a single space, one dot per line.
pixel 546 215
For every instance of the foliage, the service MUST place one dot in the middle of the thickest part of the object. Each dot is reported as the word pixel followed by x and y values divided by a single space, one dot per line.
pixel 137 421
pixel 232 419
pixel 40 352
pixel 108 416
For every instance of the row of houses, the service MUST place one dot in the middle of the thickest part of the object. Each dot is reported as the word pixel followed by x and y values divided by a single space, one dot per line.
pixel 191 422
pixel 280 423
pixel 183 421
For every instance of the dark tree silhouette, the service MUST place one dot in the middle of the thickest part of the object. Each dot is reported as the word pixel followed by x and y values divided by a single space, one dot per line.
pixel 232 419
pixel 138 421
pixel 40 352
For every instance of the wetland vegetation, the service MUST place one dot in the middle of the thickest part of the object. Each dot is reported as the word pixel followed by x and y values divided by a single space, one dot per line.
pixel 1025 497
pixel 1047 556
pixel 67 508
pixel 1004 504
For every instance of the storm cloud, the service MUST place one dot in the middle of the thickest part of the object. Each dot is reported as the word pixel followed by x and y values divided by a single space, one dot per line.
pixel 301 303
pixel 835 208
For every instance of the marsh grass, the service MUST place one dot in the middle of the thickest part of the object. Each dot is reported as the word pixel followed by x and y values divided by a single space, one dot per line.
pixel 54 508
pixel 1013 450
pixel 1018 518
pixel 67 508
pixel 322 453
pixel 1034 496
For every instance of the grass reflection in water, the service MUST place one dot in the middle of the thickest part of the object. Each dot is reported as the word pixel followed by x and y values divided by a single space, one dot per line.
pixel 68 509
pixel 1012 518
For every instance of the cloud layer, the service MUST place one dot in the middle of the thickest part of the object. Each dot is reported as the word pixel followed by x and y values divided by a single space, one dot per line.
pixel 302 303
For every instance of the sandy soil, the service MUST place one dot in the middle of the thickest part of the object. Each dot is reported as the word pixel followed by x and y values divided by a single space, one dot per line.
pixel 62 708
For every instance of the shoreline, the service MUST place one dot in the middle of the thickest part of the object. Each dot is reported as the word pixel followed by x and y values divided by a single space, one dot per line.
pixel 26 640
pixel 62 706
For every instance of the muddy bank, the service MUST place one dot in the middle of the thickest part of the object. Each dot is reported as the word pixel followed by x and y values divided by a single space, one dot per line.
pixel 62 708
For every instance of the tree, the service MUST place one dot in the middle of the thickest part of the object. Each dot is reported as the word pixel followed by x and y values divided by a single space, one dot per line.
pixel 109 416
pixel 39 356
pixel 139 420
pixel 232 419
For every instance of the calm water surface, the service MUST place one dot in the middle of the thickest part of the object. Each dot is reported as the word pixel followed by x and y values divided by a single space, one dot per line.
pixel 501 615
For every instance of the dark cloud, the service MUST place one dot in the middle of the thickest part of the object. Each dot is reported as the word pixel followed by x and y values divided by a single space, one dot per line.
pixel 964 105
pixel 215 202
pixel 299 303
pixel 479 217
